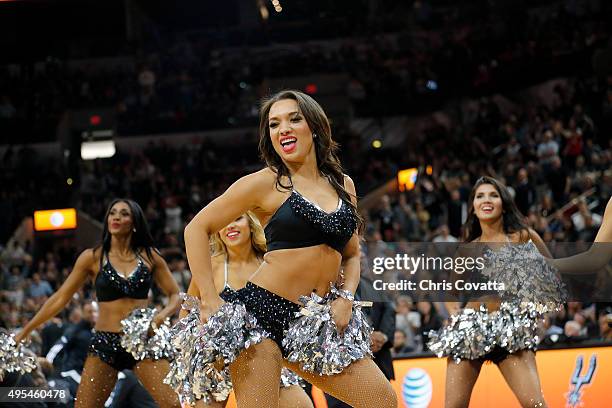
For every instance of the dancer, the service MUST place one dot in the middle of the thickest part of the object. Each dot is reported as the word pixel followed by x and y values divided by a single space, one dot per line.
pixel 502 331
pixel 126 246
pixel 309 208
pixel 237 252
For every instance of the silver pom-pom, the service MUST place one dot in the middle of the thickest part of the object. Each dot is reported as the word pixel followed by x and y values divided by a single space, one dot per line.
pixel 313 341
pixel 13 357
pixel 467 336
pixel 135 332
pixel 515 325
pixel 159 346
pixel 532 288
pixel 473 333
pixel 135 338
pixel 204 351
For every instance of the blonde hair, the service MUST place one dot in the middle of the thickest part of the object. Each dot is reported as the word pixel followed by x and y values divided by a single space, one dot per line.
pixel 258 238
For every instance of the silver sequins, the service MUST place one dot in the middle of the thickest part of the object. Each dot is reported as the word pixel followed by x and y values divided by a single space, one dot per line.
pixel 13 357
pixel 314 342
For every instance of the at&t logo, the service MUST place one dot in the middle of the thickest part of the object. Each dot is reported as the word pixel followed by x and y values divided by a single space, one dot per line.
pixel 417 388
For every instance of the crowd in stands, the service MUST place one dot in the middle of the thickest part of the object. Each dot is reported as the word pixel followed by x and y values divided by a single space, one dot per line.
pixel 192 83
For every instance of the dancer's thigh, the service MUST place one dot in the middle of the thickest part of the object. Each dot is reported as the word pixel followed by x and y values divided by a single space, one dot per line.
pixel 361 384
pixel 520 372
pixel 151 374
pixel 294 397
pixel 460 380
pixel 97 381
pixel 256 375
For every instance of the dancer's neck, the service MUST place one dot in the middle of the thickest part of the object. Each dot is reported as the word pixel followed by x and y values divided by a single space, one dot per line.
pixel 492 231
pixel 122 245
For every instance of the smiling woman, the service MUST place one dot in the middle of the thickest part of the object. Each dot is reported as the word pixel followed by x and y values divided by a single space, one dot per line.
pixel 502 329
pixel 311 236
pixel 123 268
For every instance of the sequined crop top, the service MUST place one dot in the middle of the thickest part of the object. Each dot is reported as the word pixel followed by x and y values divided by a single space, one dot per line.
pixel 299 223
pixel 111 285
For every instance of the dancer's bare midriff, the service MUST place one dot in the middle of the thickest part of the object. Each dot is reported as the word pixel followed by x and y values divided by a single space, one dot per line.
pixel 111 313
pixel 292 273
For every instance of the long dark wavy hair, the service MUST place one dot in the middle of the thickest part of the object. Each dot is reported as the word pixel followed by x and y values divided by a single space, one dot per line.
pixel 326 148
pixel 512 217
pixel 141 238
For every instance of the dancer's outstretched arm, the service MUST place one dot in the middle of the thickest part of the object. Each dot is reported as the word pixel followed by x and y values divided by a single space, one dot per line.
pixel 80 272
pixel 597 256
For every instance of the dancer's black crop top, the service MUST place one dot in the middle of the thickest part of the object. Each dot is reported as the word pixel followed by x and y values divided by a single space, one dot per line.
pixel 110 285
pixel 299 223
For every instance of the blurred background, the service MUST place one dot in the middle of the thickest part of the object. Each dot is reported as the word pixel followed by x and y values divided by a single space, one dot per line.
pixel 158 101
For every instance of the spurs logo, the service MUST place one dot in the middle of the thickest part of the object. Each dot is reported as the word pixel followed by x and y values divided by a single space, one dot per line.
pixel 574 395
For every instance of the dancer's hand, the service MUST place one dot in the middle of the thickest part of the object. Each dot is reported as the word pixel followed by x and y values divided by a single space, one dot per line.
pixel 210 307
pixel 22 335
pixel 341 311
pixel 156 322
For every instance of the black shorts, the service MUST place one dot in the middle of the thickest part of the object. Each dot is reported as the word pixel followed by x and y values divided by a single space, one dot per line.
pixel 107 346
pixel 273 312
pixel 496 356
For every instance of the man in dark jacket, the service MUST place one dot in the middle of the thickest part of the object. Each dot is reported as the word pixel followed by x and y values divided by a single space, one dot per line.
pixel 69 353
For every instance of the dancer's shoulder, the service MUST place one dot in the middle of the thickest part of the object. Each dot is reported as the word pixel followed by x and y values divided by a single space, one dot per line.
pixel 260 179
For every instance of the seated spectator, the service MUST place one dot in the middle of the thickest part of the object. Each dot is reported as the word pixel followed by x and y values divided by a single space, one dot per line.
pixel 399 344
pixel 39 287
pixel 444 235
pixel 605 326
pixel 407 320
pixel 429 321
pixel 573 331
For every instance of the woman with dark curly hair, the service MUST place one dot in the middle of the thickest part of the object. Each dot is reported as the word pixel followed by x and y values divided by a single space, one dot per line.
pixel 308 207
pixel 501 327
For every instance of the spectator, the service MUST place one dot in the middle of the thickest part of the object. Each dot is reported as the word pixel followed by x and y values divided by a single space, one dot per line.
pixel 525 196
pixel 558 179
pixel 444 235
pixel 51 333
pixel 572 331
pixel 548 149
pixel 429 321
pixel 399 344
pixel 407 320
pixel 605 326
pixel 69 353
pixel 39 287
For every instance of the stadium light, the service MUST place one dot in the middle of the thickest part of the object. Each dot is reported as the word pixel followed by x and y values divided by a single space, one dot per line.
pixel 406 179
pixel 53 220
pixel 98 144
